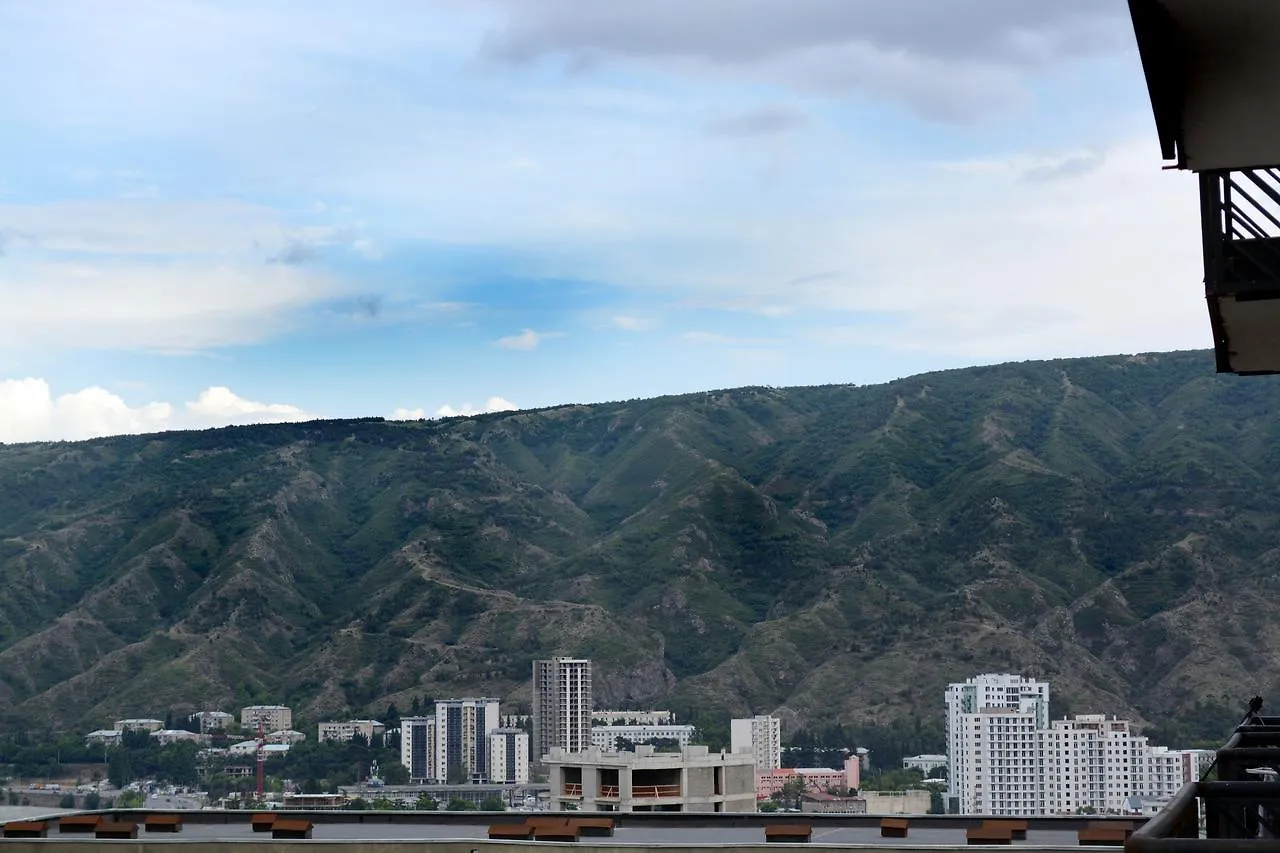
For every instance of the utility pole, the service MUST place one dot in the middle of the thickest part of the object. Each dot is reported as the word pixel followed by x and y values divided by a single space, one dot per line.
pixel 262 758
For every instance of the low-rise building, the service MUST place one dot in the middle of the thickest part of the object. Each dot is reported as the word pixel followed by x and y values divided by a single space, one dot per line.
pixel 273 718
pixel 341 732
pixel 165 737
pixel 103 737
pixel 605 738
pixel 214 721
pixel 287 736
pixel 897 802
pixel 811 780
pixel 631 718
pixel 823 803
pixel 692 780
pixel 926 764
pixel 141 724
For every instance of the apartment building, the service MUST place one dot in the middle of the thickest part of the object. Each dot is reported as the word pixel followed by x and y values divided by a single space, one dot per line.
pixel 273 718
pixel 761 736
pixel 992 725
pixel 1005 759
pixel 508 756
pixel 342 732
pixel 692 780
pixel 561 705
pixel 605 738
pixel 463 727
pixel 213 721
pixel 140 724
pixel 418 748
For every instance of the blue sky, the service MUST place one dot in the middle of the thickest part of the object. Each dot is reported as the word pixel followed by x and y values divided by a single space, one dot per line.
pixel 228 212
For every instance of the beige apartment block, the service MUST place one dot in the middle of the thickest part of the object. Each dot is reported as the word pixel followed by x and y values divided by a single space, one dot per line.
pixel 274 718
pixel 692 780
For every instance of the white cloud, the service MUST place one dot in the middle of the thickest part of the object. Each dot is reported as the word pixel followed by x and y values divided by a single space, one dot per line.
pixel 219 404
pixel 493 404
pixel 29 411
pixel 527 339
pixel 634 324
pixel 154 276
pixel 402 414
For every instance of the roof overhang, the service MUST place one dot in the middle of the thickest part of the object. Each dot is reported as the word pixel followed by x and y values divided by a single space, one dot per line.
pixel 1213 75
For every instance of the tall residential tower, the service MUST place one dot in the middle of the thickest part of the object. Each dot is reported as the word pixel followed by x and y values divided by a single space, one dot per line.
pixel 561 706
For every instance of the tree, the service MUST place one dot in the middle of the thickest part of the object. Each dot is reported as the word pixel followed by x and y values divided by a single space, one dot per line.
pixel 92 801
pixel 384 804
pixel 68 801
pixel 426 804
pixel 493 803
pixel 130 800
pixel 457 804
pixel 359 804
pixel 120 767
pixel 768 806
pixel 395 774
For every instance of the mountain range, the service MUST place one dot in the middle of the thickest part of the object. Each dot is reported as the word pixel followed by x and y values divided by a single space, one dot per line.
pixel 833 554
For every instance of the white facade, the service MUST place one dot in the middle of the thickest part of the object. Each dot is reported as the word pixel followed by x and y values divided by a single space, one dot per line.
pixel 561 705
pixel 632 718
pixel 418 748
pixel 992 721
pixel 164 737
pixel 1007 759
pixel 344 731
pixel 509 756
pixel 761 736
pixel 139 725
pixel 926 764
pixel 605 738
pixel 463 727
pixel 274 718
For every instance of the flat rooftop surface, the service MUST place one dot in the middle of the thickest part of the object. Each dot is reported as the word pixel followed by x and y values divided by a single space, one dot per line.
pixel 375 829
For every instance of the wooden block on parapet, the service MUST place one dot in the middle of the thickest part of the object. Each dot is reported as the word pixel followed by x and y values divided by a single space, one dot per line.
pixel 79 822
pixel 163 823
pixel 564 832
pixel 594 826
pixel 894 827
pixel 788 833
pixel 26 829
pixel 116 829
pixel 988 835
pixel 1017 828
pixel 291 828
pixel 263 821
pixel 1103 836
pixel 511 831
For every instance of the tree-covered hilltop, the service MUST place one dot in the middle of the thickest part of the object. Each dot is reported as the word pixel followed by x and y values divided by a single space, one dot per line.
pixel 835 554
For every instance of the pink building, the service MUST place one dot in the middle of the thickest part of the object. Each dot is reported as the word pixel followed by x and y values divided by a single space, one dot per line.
pixel 816 779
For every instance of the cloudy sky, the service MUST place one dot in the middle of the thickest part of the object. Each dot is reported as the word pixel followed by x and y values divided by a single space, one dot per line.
pixel 227 212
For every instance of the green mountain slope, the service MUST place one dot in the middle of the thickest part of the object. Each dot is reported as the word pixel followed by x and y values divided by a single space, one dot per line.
pixel 831 554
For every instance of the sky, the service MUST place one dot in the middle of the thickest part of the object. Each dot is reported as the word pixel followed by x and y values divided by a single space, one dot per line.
pixel 263 210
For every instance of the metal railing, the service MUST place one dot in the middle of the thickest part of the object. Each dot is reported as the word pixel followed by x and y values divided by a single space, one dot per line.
pixel 1240 812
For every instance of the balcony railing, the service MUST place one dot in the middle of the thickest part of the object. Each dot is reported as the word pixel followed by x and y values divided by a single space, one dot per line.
pixel 572 789
pixel 654 792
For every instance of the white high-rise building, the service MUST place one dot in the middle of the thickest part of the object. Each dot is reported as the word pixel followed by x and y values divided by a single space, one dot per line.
pixel 561 706
pixel 463 727
pixel 418 748
pixel 760 735
pixel 508 756
pixel 1007 759
pixel 992 725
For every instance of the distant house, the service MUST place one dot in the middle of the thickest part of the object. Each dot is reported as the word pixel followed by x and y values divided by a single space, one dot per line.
pixel 103 737
pixel 211 721
pixel 824 803
pixel 139 725
pixel 342 732
pixel 165 737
